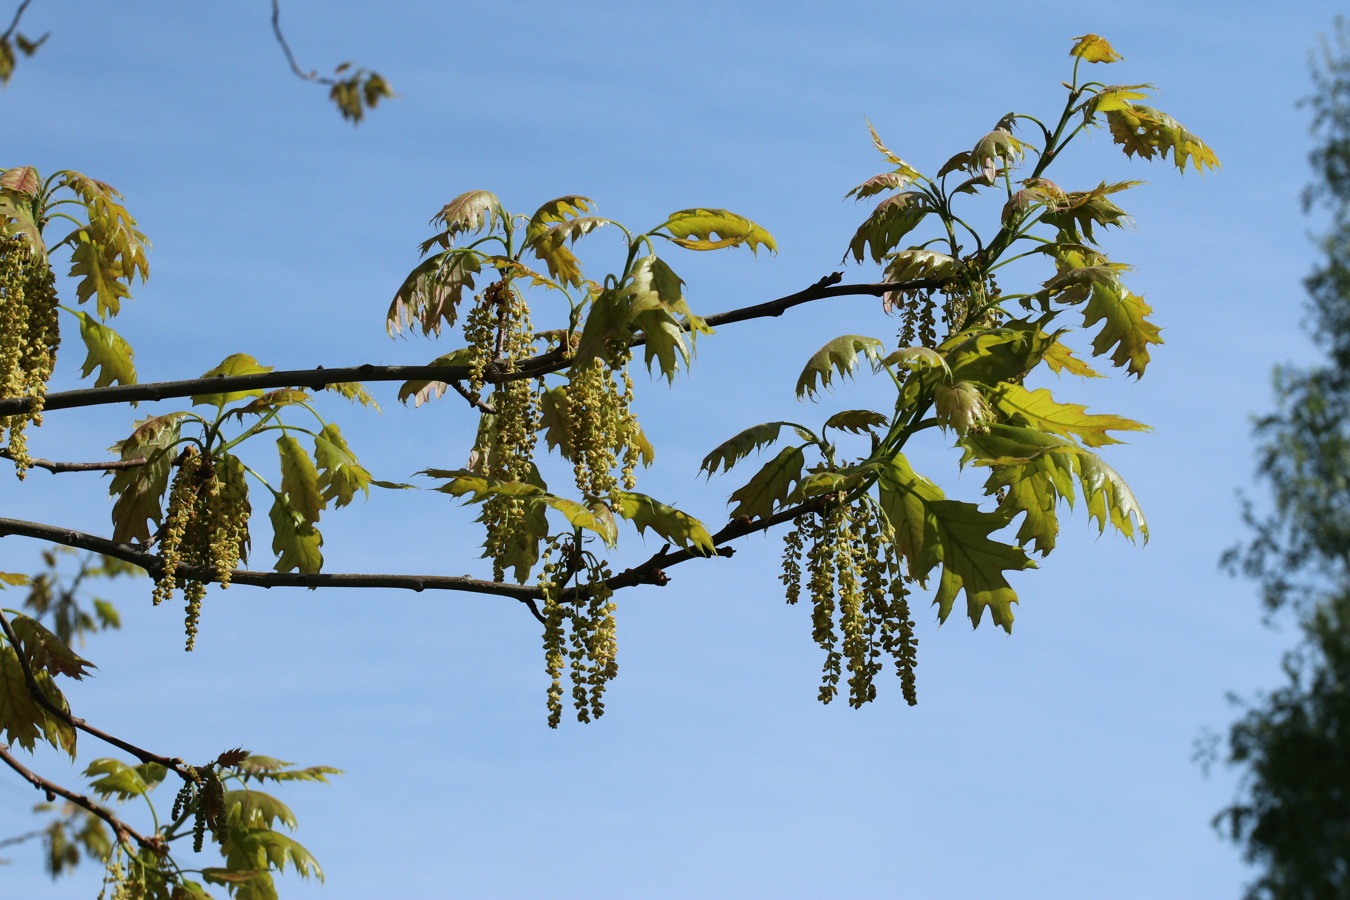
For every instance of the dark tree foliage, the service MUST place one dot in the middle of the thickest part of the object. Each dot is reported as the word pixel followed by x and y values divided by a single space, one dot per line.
pixel 1293 816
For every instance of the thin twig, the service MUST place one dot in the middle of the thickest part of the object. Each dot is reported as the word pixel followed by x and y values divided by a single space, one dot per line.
pixel 474 400
pixel 319 377
pixel 18 14
pixel 57 467
pixel 45 702
pixel 53 790
pixel 286 48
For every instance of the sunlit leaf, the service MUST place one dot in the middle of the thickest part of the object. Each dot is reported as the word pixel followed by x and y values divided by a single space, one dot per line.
pixel 431 293
pixel 1147 132
pixel 858 421
pixel 340 475
pixel 299 479
pixel 712 229
pixel 1093 48
pixel 45 651
pixel 296 542
pixel 422 390
pixel 236 364
pixel 894 217
pixel 1038 409
pixel 140 489
pixel 770 485
pixel 839 355
pixel 106 351
pixel 680 528
pixel 731 451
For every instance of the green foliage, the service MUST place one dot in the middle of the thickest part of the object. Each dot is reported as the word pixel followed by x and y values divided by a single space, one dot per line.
pixel 1290 816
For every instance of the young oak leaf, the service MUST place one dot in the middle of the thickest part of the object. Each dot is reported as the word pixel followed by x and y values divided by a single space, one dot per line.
pixel 340 475
pixel 894 217
pixel 974 563
pixel 100 275
pixel 431 293
pixel 712 229
pixel 1094 48
pixel 671 524
pixel 1124 328
pixel 106 351
pixel 235 364
pixel 46 652
pixel 770 486
pixel 1108 497
pixel 21 719
pixel 299 479
pixel 1148 132
pixel 734 449
pixel 421 390
pixel 857 421
pixel 295 540
pixel 140 489
pixel 839 355
pixel 1039 410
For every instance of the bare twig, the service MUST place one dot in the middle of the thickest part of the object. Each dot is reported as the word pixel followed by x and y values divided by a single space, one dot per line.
pixel 18 14
pixel 551 361
pixel 53 790
pixel 50 466
pixel 286 48
pixel 474 400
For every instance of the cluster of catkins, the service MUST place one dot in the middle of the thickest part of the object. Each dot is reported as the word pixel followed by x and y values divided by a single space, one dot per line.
pixel 853 574
pixel 499 331
pixel 579 636
pixel 963 306
pixel 205 526
pixel 602 430
pixel 204 796
pixel 29 335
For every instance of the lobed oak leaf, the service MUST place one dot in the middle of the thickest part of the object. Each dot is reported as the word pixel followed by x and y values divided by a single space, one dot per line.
pixel 299 479
pixel 1061 359
pixel 21 180
pixel 1124 328
pixel 235 364
pixel 422 390
pixel 140 490
pixel 354 391
pixel 21 719
pixel 256 809
pixel 1039 410
pixel 732 450
pixel 974 563
pixel 106 351
pixel 839 355
pixel 905 496
pixel 340 475
pixel 857 421
pixel 669 523
pixel 712 229
pixel 471 211
pixel 770 486
pixel 431 293
pixel 894 217
pixel 100 275
pixel 295 540
pixel 1094 48
pixel 45 652
pixel 1147 132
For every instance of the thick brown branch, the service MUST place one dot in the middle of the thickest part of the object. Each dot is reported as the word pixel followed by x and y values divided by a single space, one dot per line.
pixel 123 831
pixel 50 466
pixel 551 361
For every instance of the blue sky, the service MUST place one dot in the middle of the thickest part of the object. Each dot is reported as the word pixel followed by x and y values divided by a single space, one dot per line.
pixel 1055 762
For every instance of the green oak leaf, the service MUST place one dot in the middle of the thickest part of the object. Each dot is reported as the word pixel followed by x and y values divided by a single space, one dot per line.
pixel 680 528
pixel 731 451
pixel 769 486
pixel 106 351
pixel 140 490
pixel 712 229
pixel 236 364
pixel 839 355
pixel 295 540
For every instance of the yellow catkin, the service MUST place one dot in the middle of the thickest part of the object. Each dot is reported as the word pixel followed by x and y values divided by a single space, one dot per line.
pixel 29 338
pixel 858 588
pixel 205 526
pixel 580 635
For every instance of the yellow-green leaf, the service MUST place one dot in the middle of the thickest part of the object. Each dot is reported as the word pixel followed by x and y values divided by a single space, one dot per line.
pixel 106 351
pixel 1038 409
pixel 731 451
pixel 340 475
pixel 1093 48
pixel 140 489
pixel 675 526
pixel 1148 132
pixel 236 364
pixel 894 217
pixel 712 229
pixel 839 355
pixel 295 540
pixel 770 485
pixel 299 479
